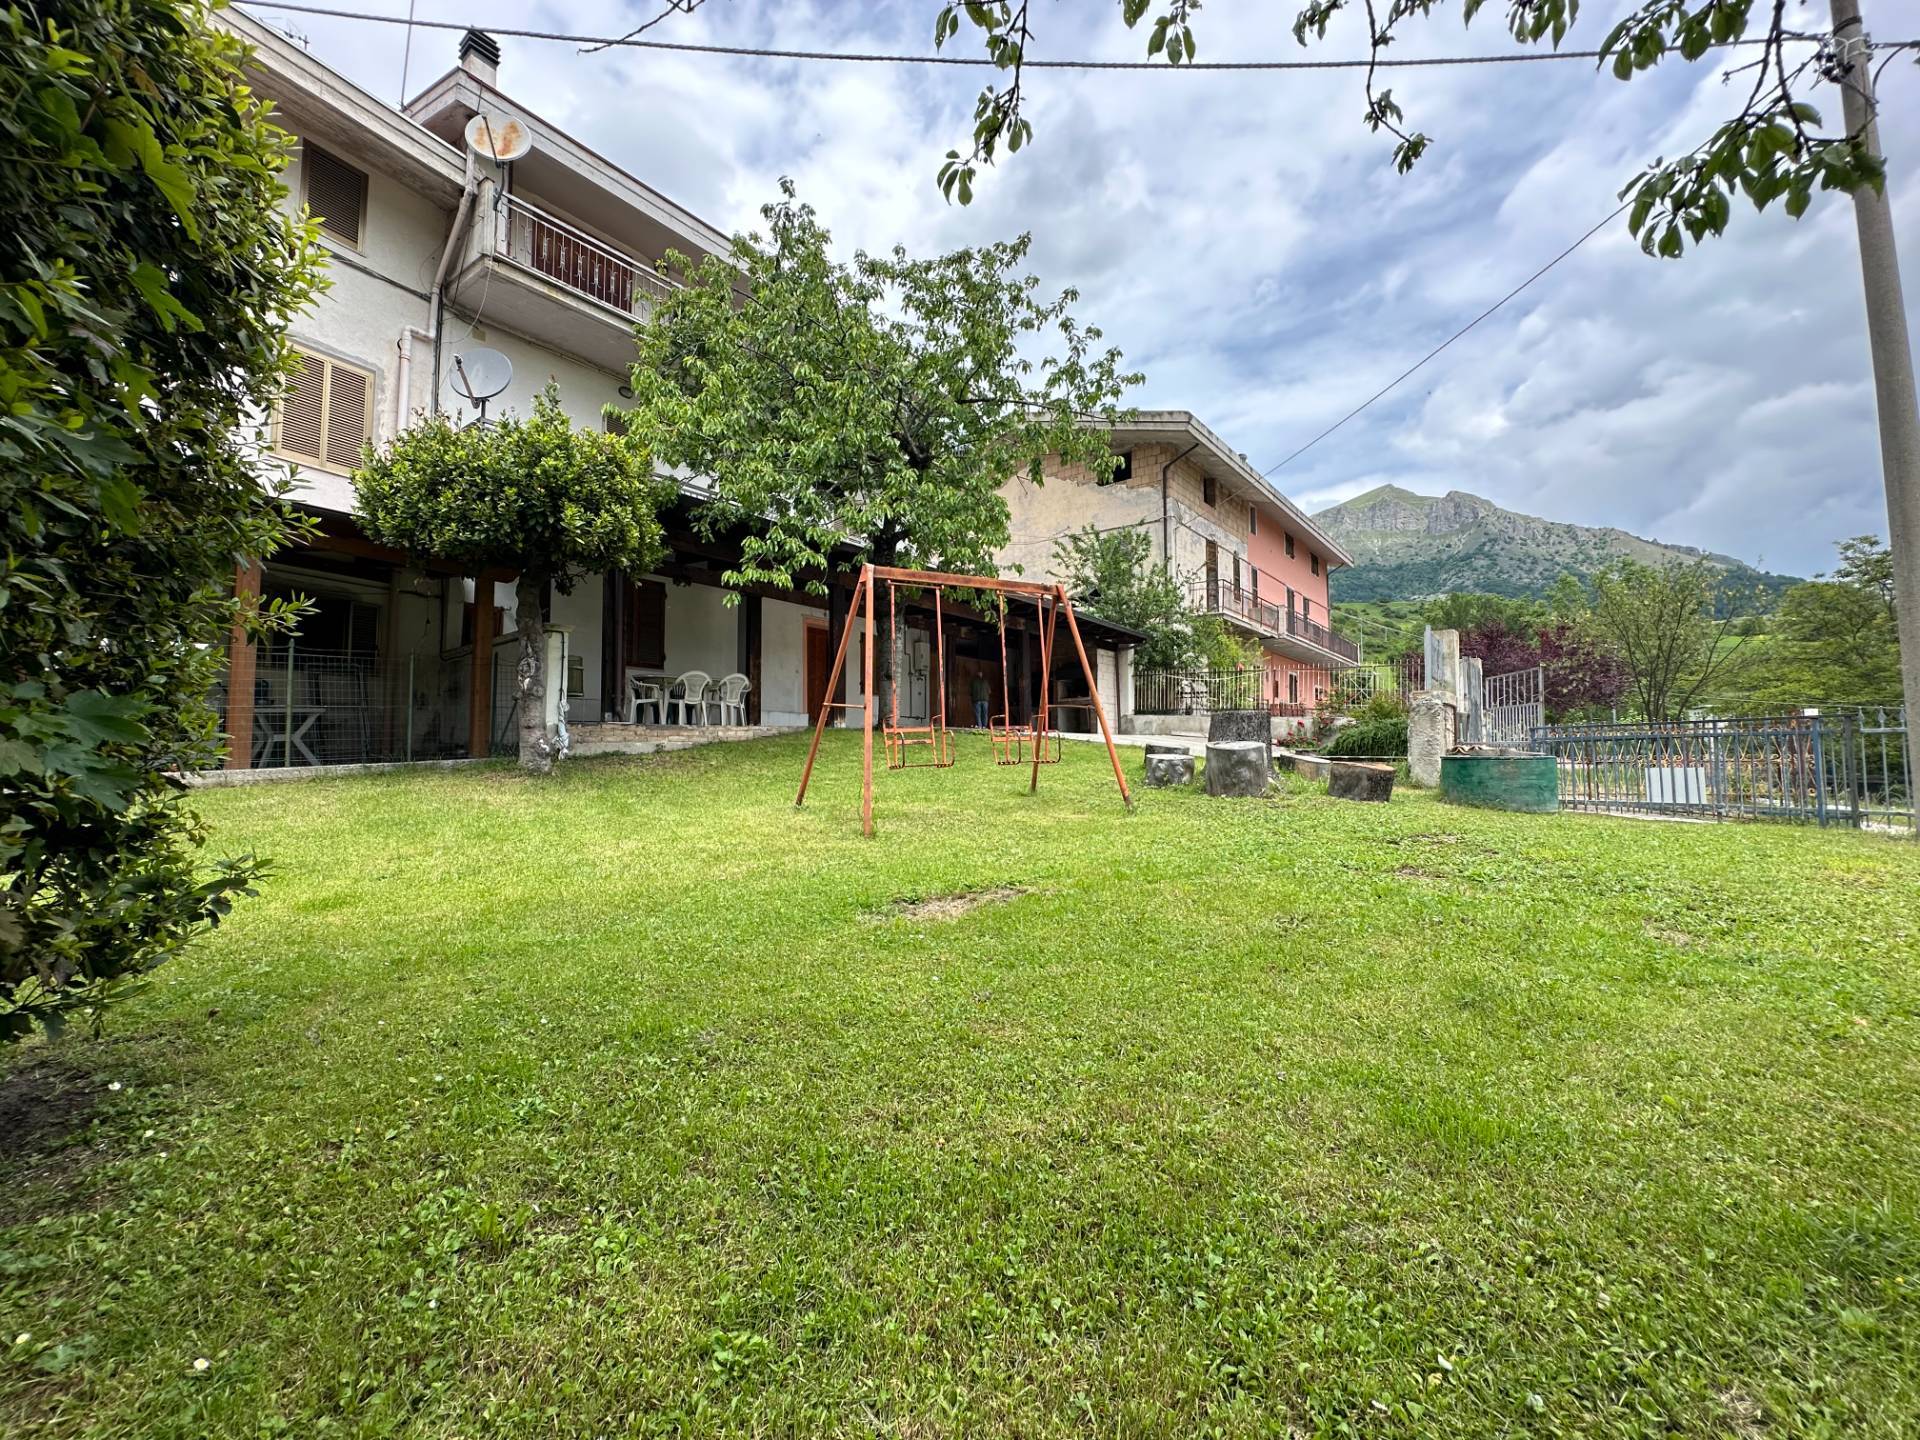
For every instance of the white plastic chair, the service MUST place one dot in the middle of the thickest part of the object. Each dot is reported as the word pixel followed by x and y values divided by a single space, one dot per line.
pixel 692 699
pixel 644 694
pixel 731 697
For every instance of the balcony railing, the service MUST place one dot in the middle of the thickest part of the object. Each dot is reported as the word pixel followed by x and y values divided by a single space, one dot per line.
pixel 1314 633
pixel 583 264
pixel 1236 602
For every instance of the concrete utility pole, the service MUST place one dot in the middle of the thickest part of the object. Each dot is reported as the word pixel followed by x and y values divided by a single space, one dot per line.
pixel 1892 357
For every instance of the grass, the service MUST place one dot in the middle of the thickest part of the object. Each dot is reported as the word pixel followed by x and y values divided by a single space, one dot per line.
pixel 635 1102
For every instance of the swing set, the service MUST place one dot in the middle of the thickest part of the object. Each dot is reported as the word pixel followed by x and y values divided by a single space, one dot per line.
pixel 930 746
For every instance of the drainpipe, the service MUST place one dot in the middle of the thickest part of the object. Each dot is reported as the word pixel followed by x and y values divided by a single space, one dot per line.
pixel 1166 513
pixel 403 375
pixel 468 187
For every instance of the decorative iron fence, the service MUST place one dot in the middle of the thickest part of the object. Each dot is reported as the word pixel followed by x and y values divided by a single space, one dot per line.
pixel 1168 691
pixel 1849 768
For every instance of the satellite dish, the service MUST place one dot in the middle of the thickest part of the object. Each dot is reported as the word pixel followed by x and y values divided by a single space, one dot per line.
pixel 495 137
pixel 480 374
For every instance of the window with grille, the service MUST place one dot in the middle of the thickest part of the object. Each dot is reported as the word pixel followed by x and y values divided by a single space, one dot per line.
pixel 326 414
pixel 336 195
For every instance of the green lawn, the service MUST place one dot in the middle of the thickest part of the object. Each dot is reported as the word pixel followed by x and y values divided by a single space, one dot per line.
pixel 634 1102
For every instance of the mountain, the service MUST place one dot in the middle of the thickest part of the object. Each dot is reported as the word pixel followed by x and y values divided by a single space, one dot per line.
pixel 1410 547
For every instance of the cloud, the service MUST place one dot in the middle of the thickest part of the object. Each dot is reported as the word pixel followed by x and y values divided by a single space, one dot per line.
pixel 1247 243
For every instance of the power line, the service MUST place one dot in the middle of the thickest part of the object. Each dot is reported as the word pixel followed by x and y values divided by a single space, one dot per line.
pixel 634 42
pixel 1404 374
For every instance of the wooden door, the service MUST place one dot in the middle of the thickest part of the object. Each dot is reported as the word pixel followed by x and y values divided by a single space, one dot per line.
pixel 1213 576
pixel 819 662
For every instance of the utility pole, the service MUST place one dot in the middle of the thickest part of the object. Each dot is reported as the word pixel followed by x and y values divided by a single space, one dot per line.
pixel 1893 387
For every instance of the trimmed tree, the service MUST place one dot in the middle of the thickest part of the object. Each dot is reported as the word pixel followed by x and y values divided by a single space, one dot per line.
pixel 147 276
pixel 531 495
pixel 881 403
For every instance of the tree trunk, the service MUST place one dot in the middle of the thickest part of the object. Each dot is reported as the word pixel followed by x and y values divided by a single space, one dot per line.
pixel 536 742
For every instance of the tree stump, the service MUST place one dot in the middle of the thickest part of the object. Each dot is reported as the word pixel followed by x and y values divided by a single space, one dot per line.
pixel 1357 780
pixel 1238 767
pixel 1240 725
pixel 1164 771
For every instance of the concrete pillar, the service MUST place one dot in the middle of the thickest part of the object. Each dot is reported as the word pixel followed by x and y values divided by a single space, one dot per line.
pixel 1430 734
pixel 1449 677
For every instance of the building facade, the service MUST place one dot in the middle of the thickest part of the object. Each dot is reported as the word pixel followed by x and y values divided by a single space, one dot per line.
pixel 1237 546
pixel 435 250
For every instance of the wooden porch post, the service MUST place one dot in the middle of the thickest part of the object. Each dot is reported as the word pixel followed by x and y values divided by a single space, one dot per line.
pixel 838 610
pixel 241 659
pixel 613 643
pixel 750 646
pixel 480 686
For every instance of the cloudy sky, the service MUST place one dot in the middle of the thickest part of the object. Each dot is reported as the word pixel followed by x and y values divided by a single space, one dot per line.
pixel 1249 246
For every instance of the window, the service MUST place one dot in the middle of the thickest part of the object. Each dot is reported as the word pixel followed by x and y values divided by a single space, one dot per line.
pixel 336 194
pixel 1121 472
pixel 1253 521
pixel 1209 491
pixel 1289 547
pixel 576 676
pixel 326 414
pixel 1293 687
pixel 1313 562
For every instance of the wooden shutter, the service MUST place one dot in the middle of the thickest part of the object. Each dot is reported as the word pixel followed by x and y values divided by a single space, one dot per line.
pixel 326 414
pixel 337 195
pixel 646 638
pixel 347 410
pixel 303 426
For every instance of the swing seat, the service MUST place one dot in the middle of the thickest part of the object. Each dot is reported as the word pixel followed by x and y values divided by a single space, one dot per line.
pixel 904 742
pixel 1015 744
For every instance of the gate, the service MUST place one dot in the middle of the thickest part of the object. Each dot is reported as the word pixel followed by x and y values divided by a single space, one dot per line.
pixel 1510 707
pixel 1845 768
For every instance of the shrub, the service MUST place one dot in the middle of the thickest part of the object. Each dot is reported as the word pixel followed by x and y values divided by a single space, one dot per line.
pixel 1381 736
pixel 147 276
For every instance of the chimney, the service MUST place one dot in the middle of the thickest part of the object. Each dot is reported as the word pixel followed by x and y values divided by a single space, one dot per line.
pixel 480 56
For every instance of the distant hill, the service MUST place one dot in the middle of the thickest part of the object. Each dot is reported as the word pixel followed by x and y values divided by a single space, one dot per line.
pixel 1412 547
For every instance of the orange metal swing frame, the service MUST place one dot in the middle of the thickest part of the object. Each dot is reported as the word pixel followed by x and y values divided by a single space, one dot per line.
pixel 1013 745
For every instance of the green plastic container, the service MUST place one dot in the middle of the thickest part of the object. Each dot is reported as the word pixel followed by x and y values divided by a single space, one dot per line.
pixel 1502 782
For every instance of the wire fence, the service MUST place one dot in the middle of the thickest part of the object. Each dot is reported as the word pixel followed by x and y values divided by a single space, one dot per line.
pixel 1850 768
pixel 314 706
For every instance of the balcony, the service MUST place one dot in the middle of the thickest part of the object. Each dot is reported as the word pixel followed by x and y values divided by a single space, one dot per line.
pixel 534 273
pixel 1314 633
pixel 1285 630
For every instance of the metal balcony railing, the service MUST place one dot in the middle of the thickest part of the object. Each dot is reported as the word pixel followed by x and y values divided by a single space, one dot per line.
pixel 1315 633
pixel 579 261
pixel 1236 602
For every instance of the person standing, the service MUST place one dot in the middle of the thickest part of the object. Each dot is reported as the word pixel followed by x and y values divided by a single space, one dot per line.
pixel 979 692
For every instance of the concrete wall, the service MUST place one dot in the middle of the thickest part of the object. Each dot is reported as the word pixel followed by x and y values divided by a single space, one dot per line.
pixel 783 661
pixel 1267 549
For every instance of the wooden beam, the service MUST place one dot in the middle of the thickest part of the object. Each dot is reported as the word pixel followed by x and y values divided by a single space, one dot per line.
pixel 750 645
pixel 480 687
pixel 242 663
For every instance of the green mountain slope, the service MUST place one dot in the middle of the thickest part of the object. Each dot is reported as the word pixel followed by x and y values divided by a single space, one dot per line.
pixel 1409 547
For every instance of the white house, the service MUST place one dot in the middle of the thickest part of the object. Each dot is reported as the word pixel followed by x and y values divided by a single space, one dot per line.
pixel 435 251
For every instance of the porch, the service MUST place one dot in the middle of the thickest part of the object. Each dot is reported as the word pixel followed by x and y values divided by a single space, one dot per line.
pixel 396 663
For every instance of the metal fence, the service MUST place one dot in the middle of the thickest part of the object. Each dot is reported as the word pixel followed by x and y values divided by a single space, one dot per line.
pixel 335 707
pixel 1852 768
pixel 1512 706
pixel 1285 687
